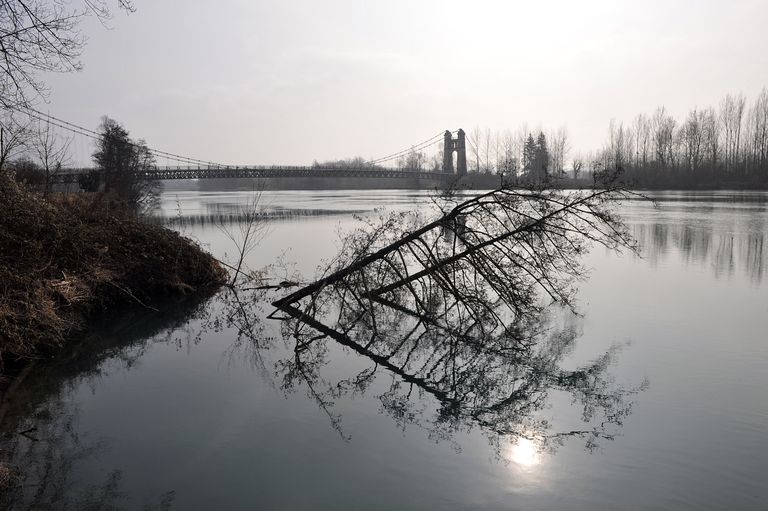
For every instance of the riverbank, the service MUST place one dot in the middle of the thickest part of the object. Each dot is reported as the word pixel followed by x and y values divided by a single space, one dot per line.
pixel 470 181
pixel 68 259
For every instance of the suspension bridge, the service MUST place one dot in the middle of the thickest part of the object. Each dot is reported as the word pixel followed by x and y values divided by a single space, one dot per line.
pixel 264 171
pixel 409 163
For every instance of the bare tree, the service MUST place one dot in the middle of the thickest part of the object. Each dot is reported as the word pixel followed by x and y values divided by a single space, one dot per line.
pixel 487 144
pixel 663 137
pixel 414 161
pixel 475 146
pixel 559 147
pixel 509 163
pixel 52 151
pixel 14 136
pixel 619 145
pixel 692 139
pixel 731 115
pixel 642 131
pixel 38 36
pixel 758 133
pixel 251 231
pixel 578 165
pixel 711 136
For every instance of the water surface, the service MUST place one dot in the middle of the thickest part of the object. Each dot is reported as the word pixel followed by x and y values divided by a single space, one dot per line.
pixel 174 413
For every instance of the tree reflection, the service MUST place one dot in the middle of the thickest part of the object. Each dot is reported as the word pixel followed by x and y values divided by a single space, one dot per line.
pixel 40 435
pixel 727 249
pixel 232 214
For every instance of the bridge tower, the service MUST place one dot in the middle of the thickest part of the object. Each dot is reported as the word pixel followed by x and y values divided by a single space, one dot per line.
pixel 459 145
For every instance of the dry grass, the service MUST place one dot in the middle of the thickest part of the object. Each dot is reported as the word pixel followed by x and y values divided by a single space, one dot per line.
pixel 8 478
pixel 63 259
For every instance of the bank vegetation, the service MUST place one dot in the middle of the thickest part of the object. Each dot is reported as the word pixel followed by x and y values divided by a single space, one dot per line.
pixel 64 259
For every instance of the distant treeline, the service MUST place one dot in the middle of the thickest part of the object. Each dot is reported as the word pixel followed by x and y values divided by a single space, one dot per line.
pixel 714 147
pixel 711 147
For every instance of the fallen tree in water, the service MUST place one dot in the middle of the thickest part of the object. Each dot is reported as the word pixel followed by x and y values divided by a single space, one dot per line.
pixel 64 259
pixel 461 303
pixel 516 242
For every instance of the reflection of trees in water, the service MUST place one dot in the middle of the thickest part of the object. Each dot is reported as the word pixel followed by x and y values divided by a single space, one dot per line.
pixel 500 383
pixel 453 309
pixel 741 248
pixel 49 455
pixel 39 421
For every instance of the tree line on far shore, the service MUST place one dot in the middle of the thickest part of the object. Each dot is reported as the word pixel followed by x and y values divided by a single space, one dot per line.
pixel 718 146
pixel 722 146
pixel 712 147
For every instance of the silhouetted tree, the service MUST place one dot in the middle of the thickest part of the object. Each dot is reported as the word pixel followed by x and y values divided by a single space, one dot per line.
pixel 541 158
pixel 578 164
pixel 731 115
pixel 28 172
pixel 559 148
pixel 474 146
pixel 413 161
pixel 51 150
pixel 507 161
pixel 123 165
pixel 529 155
pixel 14 135
pixel 692 140
pixel 358 162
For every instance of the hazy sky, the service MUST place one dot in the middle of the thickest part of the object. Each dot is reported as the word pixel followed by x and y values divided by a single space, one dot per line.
pixel 291 81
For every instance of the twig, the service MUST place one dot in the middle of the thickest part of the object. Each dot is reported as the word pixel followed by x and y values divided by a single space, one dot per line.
pixel 26 434
pixel 134 297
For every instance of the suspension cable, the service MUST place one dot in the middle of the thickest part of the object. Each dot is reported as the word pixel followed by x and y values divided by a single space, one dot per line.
pixel 430 141
pixel 94 135
pixel 86 132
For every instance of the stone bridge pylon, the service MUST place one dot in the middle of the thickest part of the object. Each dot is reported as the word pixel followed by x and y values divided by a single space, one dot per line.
pixel 458 144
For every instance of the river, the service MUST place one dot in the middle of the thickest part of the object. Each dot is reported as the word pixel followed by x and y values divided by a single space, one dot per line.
pixel 174 412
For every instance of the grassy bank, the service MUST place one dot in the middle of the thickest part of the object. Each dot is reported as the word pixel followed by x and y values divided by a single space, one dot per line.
pixel 66 259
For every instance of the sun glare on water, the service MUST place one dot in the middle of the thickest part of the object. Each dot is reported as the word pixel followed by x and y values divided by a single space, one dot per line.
pixel 525 453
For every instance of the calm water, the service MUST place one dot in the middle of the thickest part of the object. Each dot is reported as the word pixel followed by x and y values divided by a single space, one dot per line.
pixel 174 413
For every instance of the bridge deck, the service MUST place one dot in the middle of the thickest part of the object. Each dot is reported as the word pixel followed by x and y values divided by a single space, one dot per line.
pixel 162 173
